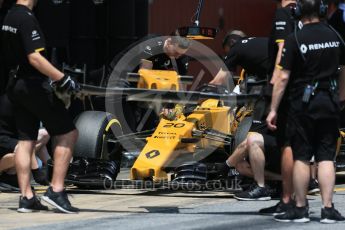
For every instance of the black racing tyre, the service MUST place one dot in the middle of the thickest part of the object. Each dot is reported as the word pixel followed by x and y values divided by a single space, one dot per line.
pixel 242 130
pixel 95 129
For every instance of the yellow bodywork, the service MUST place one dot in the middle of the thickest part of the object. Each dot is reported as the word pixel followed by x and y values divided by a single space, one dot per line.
pixel 164 148
pixel 199 37
pixel 158 79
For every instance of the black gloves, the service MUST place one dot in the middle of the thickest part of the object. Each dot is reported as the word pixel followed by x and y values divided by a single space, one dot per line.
pixel 66 85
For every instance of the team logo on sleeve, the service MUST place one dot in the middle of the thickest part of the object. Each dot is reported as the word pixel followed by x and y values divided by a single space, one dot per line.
pixel 35 35
pixel 280 25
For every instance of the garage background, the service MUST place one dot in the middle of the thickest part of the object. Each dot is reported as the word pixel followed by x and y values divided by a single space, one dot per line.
pixel 92 31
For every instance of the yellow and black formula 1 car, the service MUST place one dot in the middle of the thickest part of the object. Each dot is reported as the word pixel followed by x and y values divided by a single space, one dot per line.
pixel 201 128
pixel 186 146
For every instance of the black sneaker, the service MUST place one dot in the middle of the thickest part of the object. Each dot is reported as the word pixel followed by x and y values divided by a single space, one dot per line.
pixel 313 187
pixel 294 214
pixel 30 205
pixel 255 192
pixel 59 200
pixel 331 216
pixel 278 209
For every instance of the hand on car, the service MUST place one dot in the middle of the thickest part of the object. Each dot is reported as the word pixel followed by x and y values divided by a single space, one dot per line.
pixel 220 78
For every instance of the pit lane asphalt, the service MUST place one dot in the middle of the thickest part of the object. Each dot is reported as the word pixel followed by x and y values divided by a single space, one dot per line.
pixel 135 209
pixel 156 209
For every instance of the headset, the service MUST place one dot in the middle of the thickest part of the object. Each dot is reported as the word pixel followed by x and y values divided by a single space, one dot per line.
pixel 297 12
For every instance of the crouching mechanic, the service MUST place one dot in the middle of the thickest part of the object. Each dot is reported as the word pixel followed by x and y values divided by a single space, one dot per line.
pixel 30 91
pixel 314 107
pixel 258 157
pixel 8 143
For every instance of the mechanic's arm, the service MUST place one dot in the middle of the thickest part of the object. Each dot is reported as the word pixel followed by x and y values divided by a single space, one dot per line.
pixel 278 93
pixel 43 65
pixel 221 77
pixel 279 89
pixel 231 61
pixel 277 69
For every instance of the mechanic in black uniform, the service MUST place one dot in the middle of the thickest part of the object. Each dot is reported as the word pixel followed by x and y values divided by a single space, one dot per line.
pixel 165 53
pixel 256 157
pixel 283 25
pixel 151 52
pixel 30 91
pixel 8 143
pixel 314 109
pixel 251 53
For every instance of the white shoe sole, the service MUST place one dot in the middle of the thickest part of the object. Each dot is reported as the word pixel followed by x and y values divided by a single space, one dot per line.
pixel 272 214
pixel 49 201
pixel 303 220
pixel 328 221
pixel 278 213
pixel 25 210
pixel 257 199
pixel 311 192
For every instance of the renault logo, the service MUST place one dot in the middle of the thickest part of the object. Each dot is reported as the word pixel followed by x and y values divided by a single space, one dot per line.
pixel 152 154
pixel 304 48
